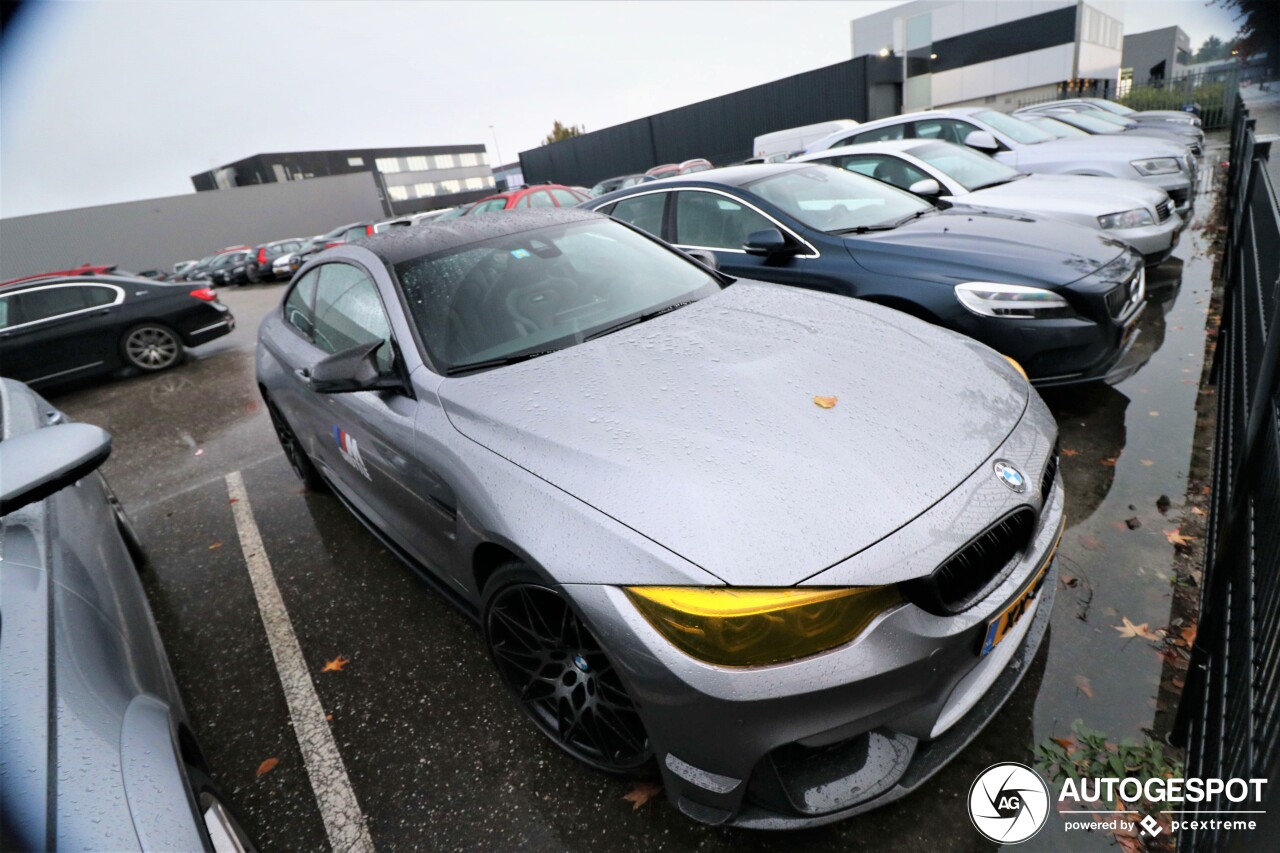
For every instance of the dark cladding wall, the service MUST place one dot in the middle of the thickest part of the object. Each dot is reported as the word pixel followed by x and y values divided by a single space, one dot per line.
pixel 720 129
pixel 156 233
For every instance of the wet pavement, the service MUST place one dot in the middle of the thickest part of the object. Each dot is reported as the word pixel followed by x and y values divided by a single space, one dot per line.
pixel 437 754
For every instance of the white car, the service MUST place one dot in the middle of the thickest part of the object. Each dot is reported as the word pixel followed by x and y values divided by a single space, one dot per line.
pixel 1027 148
pixel 1141 215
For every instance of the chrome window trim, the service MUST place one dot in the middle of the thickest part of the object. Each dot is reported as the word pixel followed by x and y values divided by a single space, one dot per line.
pixel 737 199
pixel 119 298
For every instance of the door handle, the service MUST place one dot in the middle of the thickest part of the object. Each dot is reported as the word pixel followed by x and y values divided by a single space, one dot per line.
pixel 104 312
pixel 304 374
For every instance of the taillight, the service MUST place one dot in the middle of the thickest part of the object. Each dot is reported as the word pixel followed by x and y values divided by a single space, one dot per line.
pixel 208 294
pixel 262 255
pixel 331 245
pixel 368 230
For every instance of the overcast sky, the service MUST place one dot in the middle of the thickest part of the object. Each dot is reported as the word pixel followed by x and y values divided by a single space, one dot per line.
pixel 117 101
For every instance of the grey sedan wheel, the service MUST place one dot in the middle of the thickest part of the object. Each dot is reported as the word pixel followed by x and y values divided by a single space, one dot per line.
pixel 294 452
pixel 563 680
pixel 151 347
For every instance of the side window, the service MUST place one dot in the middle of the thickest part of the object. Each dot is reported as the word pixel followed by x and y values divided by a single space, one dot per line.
pixel 4 312
pixel 889 170
pixel 297 307
pixel 356 233
pixel 540 199
pixel 946 129
pixel 642 211
pixel 564 198
pixel 715 222
pixel 524 200
pixel 48 302
pixel 880 134
pixel 95 296
pixel 349 313
pixel 490 205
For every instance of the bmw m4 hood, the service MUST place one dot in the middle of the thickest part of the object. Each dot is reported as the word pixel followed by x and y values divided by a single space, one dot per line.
pixel 967 245
pixel 699 429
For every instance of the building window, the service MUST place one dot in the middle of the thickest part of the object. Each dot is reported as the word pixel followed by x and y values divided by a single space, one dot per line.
pixel 398 193
pixel 444 161
pixel 388 164
pixel 355 161
pixel 418 164
pixel 450 187
pixel 425 189
pixel 488 181
pixel 469 159
pixel 475 184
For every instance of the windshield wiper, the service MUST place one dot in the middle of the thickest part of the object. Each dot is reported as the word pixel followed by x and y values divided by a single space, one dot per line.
pixel 884 226
pixel 495 362
pixel 635 321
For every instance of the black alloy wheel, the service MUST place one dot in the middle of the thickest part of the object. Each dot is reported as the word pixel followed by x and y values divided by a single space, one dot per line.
pixel 251 274
pixel 151 347
pixel 294 452
pixel 563 680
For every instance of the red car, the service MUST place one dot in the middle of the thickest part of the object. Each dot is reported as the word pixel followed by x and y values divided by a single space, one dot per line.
pixel 543 195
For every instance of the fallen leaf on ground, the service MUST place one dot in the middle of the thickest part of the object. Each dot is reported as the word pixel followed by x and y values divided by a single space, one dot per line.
pixel 1133 523
pixel 642 793
pixel 825 402
pixel 1128 630
pixel 1189 635
pixel 268 765
pixel 1148 462
pixel 1091 542
pixel 1110 462
pixel 1065 742
pixel 1083 685
pixel 336 664
pixel 215 546
pixel 233 500
pixel 1154 414
pixel 1069 580
pixel 1067 451
pixel 1176 538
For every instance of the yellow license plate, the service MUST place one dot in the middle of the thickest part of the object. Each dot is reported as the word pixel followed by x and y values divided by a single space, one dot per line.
pixel 1000 625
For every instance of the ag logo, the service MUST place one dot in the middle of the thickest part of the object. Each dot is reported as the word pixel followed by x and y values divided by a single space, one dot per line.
pixel 1008 803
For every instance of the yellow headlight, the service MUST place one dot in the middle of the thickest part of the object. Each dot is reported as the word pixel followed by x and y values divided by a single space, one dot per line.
pixel 1017 367
pixel 752 627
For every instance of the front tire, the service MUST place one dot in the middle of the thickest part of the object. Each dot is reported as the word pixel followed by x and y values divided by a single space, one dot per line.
pixel 252 275
pixel 562 678
pixel 294 451
pixel 151 347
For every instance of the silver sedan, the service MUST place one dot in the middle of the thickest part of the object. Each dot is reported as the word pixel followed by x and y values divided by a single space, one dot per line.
pixel 789 550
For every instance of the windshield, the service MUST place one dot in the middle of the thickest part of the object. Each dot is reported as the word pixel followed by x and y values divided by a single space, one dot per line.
pixel 1112 106
pixel 542 290
pixel 971 170
pixel 1088 123
pixel 1015 128
pixel 1055 127
pixel 834 200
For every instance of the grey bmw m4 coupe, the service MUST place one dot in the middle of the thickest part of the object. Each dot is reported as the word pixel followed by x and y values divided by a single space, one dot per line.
pixel 788 549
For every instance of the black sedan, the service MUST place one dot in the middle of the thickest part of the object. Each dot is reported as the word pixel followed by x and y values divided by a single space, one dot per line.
pixel 230 268
pixel 55 330
pixel 1060 299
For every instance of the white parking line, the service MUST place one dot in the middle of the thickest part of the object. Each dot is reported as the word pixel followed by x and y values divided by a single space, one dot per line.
pixel 343 820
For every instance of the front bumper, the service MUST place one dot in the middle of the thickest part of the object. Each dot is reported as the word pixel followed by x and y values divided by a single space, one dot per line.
pixel 1155 242
pixel 1181 189
pixel 820 739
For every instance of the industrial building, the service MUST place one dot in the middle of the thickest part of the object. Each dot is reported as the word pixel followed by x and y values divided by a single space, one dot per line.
pixel 408 179
pixel 1157 55
pixel 1002 54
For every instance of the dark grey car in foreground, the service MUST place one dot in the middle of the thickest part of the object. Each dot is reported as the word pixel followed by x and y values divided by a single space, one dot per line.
pixel 96 751
pixel 792 550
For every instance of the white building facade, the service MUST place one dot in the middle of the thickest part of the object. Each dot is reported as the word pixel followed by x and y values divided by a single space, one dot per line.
pixel 1000 53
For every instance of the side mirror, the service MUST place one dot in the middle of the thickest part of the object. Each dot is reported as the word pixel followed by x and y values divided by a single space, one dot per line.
pixel 766 243
pixel 36 464
pixel 704 257
pixel 981 140
pixel 928 188
pixel 354 369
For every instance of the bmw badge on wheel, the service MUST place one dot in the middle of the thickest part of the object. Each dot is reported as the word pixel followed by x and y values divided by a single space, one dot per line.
pixel 1008 803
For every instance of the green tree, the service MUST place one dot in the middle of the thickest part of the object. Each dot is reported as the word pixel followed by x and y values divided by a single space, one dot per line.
pixel 1213 48
pixel 560 132
pixel 1259 28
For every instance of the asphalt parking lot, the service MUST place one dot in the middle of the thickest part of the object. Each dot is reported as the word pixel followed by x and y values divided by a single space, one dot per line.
pixel 436 754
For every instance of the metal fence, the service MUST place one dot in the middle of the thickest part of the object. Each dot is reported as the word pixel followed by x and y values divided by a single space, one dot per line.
pixel 1229 715
pixel 1212 90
